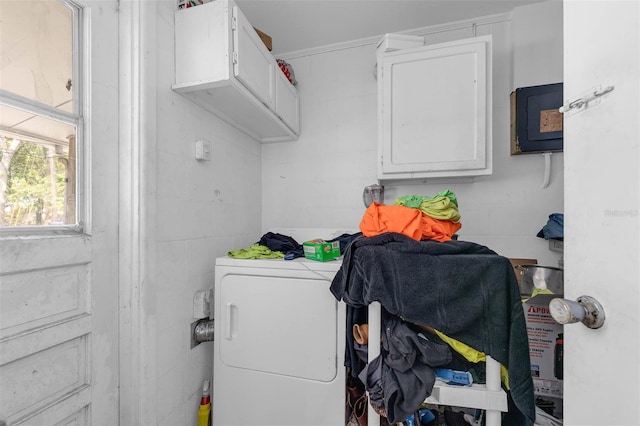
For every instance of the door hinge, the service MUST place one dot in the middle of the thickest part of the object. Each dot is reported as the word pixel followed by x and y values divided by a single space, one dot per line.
pixel 234 57
pixel 234 22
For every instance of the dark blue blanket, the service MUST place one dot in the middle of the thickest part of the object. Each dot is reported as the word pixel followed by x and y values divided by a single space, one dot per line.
pixel 463 289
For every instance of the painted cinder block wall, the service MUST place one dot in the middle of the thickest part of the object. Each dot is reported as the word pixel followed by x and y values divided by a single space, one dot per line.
pixel 319 178
pixel 204 209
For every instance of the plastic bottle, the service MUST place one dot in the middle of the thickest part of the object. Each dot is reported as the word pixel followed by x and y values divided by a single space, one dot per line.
pixel 204 412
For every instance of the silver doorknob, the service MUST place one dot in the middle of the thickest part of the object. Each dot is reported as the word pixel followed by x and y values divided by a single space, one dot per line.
pixel 585 309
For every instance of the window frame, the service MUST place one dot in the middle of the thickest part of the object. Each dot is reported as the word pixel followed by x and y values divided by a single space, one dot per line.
pixel 76 118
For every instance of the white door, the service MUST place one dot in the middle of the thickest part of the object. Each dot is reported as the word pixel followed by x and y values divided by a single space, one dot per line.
pixel 602 185
pixel 59 292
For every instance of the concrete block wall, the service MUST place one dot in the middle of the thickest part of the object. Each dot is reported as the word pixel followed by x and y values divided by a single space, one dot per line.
pixel 318 180
pixel 204 209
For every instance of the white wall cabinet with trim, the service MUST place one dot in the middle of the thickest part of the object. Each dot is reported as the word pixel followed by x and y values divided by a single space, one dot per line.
pixel 223 65
pixel 434 111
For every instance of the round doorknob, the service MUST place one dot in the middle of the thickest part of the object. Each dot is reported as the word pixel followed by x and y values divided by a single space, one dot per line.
pixel 584 309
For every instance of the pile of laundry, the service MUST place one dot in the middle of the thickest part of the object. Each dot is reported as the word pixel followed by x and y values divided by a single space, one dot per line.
pixel 418 217
pixel 273 245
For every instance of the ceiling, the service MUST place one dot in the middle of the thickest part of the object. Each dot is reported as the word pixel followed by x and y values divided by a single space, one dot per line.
pixel 303 24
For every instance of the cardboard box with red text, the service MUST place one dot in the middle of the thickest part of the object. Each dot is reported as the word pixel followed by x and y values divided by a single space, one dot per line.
pixel 545 346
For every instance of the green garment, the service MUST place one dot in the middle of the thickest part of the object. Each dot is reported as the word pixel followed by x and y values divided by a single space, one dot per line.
pixel 256 251
pixel 412 201
pixel 443 206
pixel 440 208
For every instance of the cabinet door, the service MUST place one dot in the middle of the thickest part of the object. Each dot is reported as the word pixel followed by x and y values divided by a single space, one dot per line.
pixel 435 111
pixel 286 102
pixel 253 64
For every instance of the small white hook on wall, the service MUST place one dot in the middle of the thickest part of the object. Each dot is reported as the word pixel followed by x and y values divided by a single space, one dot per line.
pixel 547 169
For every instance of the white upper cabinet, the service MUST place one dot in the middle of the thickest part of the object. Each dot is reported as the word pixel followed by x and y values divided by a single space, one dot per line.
pixel 286 102
pixel 223 65
pixel 434 107
pixel 253 64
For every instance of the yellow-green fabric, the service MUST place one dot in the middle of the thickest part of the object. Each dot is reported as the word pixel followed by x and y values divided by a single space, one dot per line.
pixel 472 355
pixel 537 291
pixel 442 206
pixel 412 201
pixel 256 251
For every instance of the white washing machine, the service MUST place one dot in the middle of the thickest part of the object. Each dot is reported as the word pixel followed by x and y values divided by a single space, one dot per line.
pixel 279 344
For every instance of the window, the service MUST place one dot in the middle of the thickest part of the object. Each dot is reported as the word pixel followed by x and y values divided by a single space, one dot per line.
pixel 40 114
